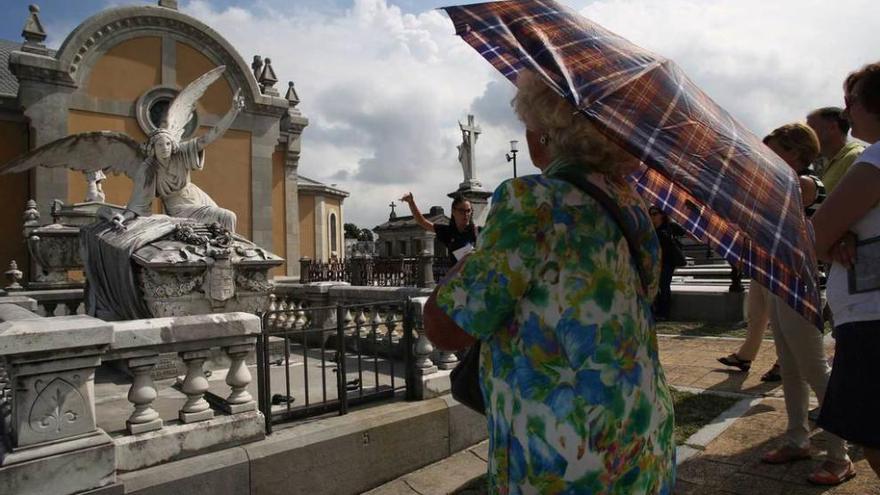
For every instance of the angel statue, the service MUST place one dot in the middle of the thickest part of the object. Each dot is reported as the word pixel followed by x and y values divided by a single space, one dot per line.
pixel 159 168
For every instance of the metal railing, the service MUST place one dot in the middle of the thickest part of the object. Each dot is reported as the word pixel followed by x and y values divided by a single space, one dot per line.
pixel 333 357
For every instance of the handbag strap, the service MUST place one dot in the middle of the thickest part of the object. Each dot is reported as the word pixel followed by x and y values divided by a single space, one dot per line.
pixel 579 180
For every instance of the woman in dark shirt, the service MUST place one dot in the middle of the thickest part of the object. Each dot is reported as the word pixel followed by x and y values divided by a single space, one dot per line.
pixel 461 231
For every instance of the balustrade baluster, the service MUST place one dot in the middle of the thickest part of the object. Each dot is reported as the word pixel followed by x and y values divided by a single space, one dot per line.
pixel 142 394
pixel 238 378
pixel 72 306
pixel 273 306
pixel 390 324
pixel 423 350
pixel 49 307
pixel 374 324
pixel 446 360
pixel 302 319
pixel 194 386
pixel 290 318
pixel 347 321
pixel 282 317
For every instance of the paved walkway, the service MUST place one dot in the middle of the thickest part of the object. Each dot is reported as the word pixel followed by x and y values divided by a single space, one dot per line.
pixel 729 464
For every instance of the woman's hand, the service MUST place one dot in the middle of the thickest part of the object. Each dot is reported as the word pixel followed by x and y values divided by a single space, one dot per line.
pixel 844 250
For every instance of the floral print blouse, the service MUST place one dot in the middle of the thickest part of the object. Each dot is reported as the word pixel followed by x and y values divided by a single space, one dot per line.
pixel 576 399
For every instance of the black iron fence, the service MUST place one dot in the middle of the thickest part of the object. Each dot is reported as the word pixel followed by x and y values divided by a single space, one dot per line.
pixel 319 360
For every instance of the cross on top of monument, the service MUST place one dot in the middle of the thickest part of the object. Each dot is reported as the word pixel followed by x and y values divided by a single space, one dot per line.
pixel 393 215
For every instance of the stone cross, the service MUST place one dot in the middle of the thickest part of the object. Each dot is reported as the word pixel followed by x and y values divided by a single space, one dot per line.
pixel 466 152
pixel 393 215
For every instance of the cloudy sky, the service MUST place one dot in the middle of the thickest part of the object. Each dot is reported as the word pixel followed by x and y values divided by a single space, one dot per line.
pixel 384 82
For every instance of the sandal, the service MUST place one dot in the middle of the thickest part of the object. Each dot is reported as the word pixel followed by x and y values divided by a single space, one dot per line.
pixel 772 375
pixel 785 454
pixel 736 362
pixel 825 474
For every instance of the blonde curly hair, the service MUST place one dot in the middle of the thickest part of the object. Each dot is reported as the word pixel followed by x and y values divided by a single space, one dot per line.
pixel 799 138
pixel 571 135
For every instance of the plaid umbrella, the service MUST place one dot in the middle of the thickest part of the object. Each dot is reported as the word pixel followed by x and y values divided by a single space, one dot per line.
pixel 699 164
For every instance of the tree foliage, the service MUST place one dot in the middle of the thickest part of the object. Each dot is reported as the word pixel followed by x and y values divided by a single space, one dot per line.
pixel 352 231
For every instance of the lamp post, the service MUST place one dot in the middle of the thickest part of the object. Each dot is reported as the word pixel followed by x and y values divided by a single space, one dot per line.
pixel 511 157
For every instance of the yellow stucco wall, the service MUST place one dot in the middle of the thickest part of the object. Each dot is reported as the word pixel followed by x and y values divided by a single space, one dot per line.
pixel 127 70
pixel 227 176
pixel 307 225
pixel 116 187
pixel 279 213
pixel 191 64
pixel 14 193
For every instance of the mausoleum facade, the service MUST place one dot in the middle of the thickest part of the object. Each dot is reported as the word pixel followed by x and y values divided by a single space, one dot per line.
pixel 117 71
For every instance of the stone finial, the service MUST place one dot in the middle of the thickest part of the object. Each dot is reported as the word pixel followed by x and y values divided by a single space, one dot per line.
pixel 168 4
pixel 291 95
pixel 33 33
pixel 31 214
pixel 257 66
pixel 13 274
pixel 268 78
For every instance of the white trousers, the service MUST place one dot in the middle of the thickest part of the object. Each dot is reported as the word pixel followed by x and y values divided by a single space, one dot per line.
pixel 803 366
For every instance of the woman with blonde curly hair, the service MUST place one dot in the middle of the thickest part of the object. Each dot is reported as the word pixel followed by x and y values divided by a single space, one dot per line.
pixel 576 400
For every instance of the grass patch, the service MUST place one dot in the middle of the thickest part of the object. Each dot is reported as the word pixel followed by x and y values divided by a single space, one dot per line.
pixel 692 412
pixel 704 329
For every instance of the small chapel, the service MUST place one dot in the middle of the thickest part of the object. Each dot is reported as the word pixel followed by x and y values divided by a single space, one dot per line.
pixel 118 71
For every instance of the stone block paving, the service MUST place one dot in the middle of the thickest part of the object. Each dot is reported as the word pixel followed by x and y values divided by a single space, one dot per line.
pixel 729 464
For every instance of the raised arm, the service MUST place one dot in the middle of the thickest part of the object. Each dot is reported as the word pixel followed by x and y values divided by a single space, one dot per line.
pixel 417 215
pixel 224 123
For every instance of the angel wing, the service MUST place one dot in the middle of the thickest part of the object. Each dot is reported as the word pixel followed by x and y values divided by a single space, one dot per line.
pixel 185 102
pixel 87 151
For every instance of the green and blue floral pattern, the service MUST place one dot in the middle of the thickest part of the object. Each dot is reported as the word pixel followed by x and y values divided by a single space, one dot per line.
pixel 576 399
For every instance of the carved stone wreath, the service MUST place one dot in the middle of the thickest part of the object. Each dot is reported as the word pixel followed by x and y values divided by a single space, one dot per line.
pixel 165 284
pixel 252 280
pixel 213 235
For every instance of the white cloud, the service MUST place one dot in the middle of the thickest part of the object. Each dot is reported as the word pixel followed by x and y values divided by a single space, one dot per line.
pixel 768 63
pixel 383 90
pixel 384 87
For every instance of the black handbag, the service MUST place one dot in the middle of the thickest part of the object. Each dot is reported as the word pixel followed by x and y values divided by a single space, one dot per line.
pixel 465 377
pixel 465 380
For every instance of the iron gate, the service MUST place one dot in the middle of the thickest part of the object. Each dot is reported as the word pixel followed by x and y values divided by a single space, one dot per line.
pixel 317 360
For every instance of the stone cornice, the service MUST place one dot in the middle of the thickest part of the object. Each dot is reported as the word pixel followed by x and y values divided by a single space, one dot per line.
pixel 322 189
pixel 72 61
pixel 42 68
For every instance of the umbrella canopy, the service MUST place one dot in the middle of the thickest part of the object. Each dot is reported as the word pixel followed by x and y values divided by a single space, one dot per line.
pixel 699 164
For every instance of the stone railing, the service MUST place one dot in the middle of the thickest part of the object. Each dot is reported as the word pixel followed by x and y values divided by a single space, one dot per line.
pixel 50 417
pixel 295 297
pixel 54 302
pixel 421 271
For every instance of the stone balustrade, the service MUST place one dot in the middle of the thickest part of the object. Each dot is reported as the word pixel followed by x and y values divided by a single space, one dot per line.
pixel 60 302
pixel 49 405
pixel 47 395
pixel 296 297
